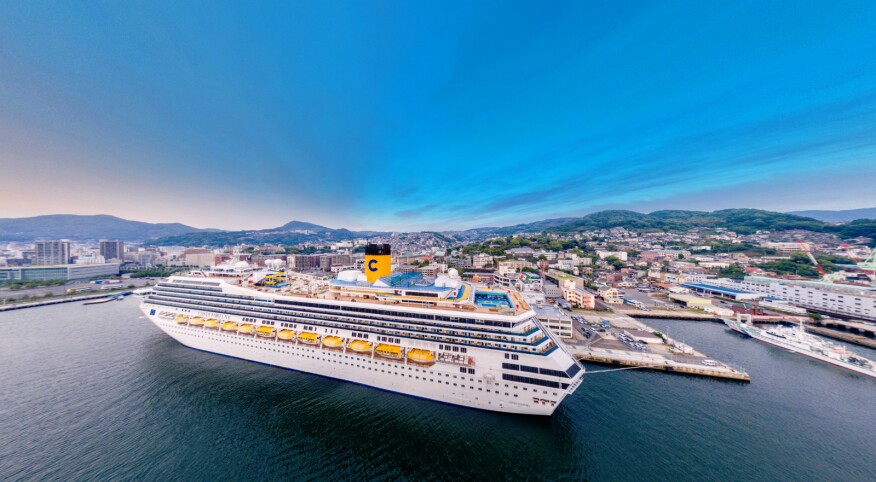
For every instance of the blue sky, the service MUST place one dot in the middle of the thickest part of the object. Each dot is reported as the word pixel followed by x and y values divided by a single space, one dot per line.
pixel 433 115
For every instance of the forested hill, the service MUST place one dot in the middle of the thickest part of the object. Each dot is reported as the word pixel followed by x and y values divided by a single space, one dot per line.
pixel 77 227
pixel 742 221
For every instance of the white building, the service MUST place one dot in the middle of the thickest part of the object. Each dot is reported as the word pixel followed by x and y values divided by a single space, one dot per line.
pixel 554 319
pixel 200 257
pixel 519 281
pixel 787 248
pixel 577 297
pixel 90 258
pixel 846 300
pixel 621 255
pixel 481 260
pixel 552 290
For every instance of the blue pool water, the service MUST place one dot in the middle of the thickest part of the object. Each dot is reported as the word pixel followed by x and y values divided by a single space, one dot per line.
pixel 492 299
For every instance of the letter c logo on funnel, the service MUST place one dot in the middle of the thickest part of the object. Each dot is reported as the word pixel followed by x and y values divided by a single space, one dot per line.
pixel 371 265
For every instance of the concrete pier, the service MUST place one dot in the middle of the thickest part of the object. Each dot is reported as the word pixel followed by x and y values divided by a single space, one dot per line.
pixel 59 300
pixel 669 356
pixel 608 357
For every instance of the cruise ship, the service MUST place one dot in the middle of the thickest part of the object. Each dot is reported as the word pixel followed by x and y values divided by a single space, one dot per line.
pixel 798 341
pixel 440 338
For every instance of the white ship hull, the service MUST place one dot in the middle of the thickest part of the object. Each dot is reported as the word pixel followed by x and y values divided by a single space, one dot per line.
pixel 442 383
pixel 758 334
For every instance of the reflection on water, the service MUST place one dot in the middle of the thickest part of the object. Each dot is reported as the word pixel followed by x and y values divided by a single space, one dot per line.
pixel 98 392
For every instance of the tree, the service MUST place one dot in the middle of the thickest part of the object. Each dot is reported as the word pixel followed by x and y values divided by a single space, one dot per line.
pixel 615 262
pixel 732 271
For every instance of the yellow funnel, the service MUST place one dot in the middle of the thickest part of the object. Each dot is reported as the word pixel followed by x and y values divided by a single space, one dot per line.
pixel 378 261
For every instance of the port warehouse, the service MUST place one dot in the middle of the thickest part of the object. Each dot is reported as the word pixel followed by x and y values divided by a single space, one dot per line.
pixel 59 271
pixel 837 299
pixel 713 290
pixel 691 301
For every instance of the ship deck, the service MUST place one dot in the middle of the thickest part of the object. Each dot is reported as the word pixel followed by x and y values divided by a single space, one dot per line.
pixel 520 306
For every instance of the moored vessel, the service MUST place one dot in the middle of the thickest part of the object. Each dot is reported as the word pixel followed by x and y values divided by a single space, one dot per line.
pixel 795 339
pixel 434 338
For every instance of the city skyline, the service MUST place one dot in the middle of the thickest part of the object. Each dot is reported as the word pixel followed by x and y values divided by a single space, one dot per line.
pixel 411 116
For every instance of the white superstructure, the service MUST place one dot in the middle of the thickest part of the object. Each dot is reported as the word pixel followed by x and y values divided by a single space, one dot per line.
pixel 798 341
pixel 432 338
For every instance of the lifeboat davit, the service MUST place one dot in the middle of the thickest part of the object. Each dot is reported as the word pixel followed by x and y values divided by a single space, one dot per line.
pixel 286 335
pixel 424 357
pixel 389 351
pixel 308 337
pixel 229 326
pixel 181 319
pixel 332 342
pixel 360 346
pixel 212 323
pixel 246 329
pixel 196 321
pixel 265 331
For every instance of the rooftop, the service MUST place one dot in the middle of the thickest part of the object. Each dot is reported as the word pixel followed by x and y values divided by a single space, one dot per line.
pixel 550 312
pixel 717 289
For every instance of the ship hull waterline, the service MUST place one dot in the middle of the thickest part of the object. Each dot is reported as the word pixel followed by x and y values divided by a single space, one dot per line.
pixel 311 359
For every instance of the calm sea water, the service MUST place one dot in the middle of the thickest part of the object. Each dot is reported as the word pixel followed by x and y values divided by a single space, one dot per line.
pixel 97 392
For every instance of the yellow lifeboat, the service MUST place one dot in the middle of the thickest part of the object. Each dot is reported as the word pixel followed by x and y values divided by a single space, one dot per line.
pixel 265 331
pixel 211 323
pixel 332 342
pixel 229 326
pixel 360 346
pixel 286 335
pixel 308 337
pixel 181 319
pixel 421 356
pixel 196 321
pixel 246 329
pixel 388 351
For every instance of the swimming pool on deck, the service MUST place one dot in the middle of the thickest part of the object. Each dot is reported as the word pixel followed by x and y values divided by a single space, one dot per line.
pixel 492 299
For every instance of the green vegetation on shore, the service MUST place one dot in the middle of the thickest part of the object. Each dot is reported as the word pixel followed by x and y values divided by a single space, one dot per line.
pixel 800 264
pixel 26 285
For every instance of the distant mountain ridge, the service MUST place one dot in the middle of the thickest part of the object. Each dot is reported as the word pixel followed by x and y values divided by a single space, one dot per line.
pixel 742 221
pixel 486 232
pixel 85 227
pixel 839 216
pixel 293 232
pixel 301 226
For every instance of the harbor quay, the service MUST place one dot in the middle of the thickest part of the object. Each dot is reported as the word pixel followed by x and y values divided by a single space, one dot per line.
pixel 65 299
pixel 619 340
